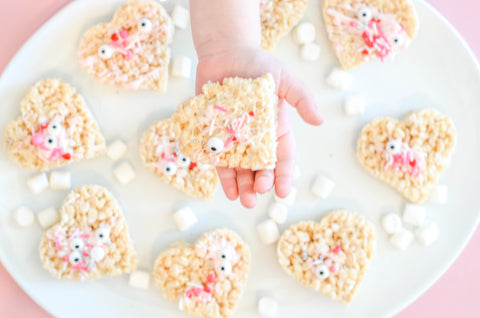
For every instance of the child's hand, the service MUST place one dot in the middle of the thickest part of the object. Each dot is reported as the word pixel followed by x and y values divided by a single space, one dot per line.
pixel 227 38
pixel 253 62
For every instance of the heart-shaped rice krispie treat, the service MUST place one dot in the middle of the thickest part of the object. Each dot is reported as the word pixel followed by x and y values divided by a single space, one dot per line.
pixel 160 153
pixel 208 278
pixel 132 50
pixel 409 155
pixel 231 124
pixel 277 18
pixel 331 256
pixel 55 128
pixel 91 240
pixel 362 30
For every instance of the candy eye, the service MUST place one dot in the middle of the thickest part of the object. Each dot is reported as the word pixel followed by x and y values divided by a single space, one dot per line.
pixel 75 257
pixel 215 145
pixel 183 161
pixel 54 128
pixel 145 25
pixel 322 272
pixel 105 52
pixel 365 15
pixel 398 39
pixel 224 254
pixel 50 142
pixel 394 147
pixel 77 244
pixel 224 268
pixel 169 169
pixel 103 234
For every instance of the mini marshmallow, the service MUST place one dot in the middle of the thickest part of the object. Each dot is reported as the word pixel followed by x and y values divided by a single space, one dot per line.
pixel 414 214
pixel 439 194
pixel 124 173
pixel 322 187
pixel 268 232
pixel 60 180
pixel 310 51
pixel 402 239
pixel 289 199
pixel 304 33
pixel 297 172
pixel 180 17
pixel 97 253
pixel 354 105
pixel 181 67
pixel 24 216
pixel 38 183
pixel 427 234
pixel 48 217
pixel 116 150
pixel 339 79
pixel 392 223
pixel 267 307
pixel 184 218
pixel 278 212
pixel 139 279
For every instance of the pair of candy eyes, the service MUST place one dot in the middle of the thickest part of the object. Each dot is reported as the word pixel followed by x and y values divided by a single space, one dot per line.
pixel 366 15
pixel 54 130
pixel 106 51
pixel 225 266
pixel 170 168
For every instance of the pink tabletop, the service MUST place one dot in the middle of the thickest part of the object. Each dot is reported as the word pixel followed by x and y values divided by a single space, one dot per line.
pixel 454 295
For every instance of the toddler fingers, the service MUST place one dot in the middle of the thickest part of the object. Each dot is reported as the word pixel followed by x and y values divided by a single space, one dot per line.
pixel 245 181
pixel 228 178
pixel 285 154
pixel 263 181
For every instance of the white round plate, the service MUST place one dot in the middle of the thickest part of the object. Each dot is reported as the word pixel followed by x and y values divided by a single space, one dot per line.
pixel 437 71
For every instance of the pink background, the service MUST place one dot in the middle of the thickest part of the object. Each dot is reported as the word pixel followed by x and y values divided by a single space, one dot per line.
pixel 454 295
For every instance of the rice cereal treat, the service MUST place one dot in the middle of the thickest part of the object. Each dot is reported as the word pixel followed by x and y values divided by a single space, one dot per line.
pixel 91 239
pixel 277 18
pixel 331 256
pixel 362 30
pixel 55 128
pixel 132 50
pixel 231 124
pixel 160 153
pixel 208 277
pixel 409 155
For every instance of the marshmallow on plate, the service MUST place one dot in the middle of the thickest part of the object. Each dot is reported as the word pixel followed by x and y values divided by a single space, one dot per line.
pixel 304 33
pixel 180 17
pixel 392 223
pixel 427 234
pixel 414 214
pixel 181 67
pixel 278 212
pixel 322 186
pixel 38 183
pixel 267 307
pixel 268 232
pixel 184 218
pixel 23 216
pixel 310 51
pixel 339 79
pixel 60 180
pixel 116 150
pixel 139 279
pixel 124 173
pixel 289 199
pixel 402 239
pixel 48 217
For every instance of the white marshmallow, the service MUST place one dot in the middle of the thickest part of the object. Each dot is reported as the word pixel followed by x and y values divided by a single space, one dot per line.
pixel 267 307
pixel 24 216
pixel 322 187
pixel 402 239
pixel 439 194
pixel 297 173
pixel 414 214
pixel 268 232
pixel 139 279
pixel 354 105
pixel 124 173
pixel 184 218
pixel 391 223
pixel 181 67
pixel 340 80
pixel 60 180
pixel 427 234
pixel 304 33
pixel 180 17
pixel 289 199
pixel 116 150
pixel 38 183
pixel 278 212
pixel 310 51
pixel 48 217
pixel 97 253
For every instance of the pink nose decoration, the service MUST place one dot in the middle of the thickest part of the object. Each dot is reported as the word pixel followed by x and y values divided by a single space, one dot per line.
pixel 37 140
